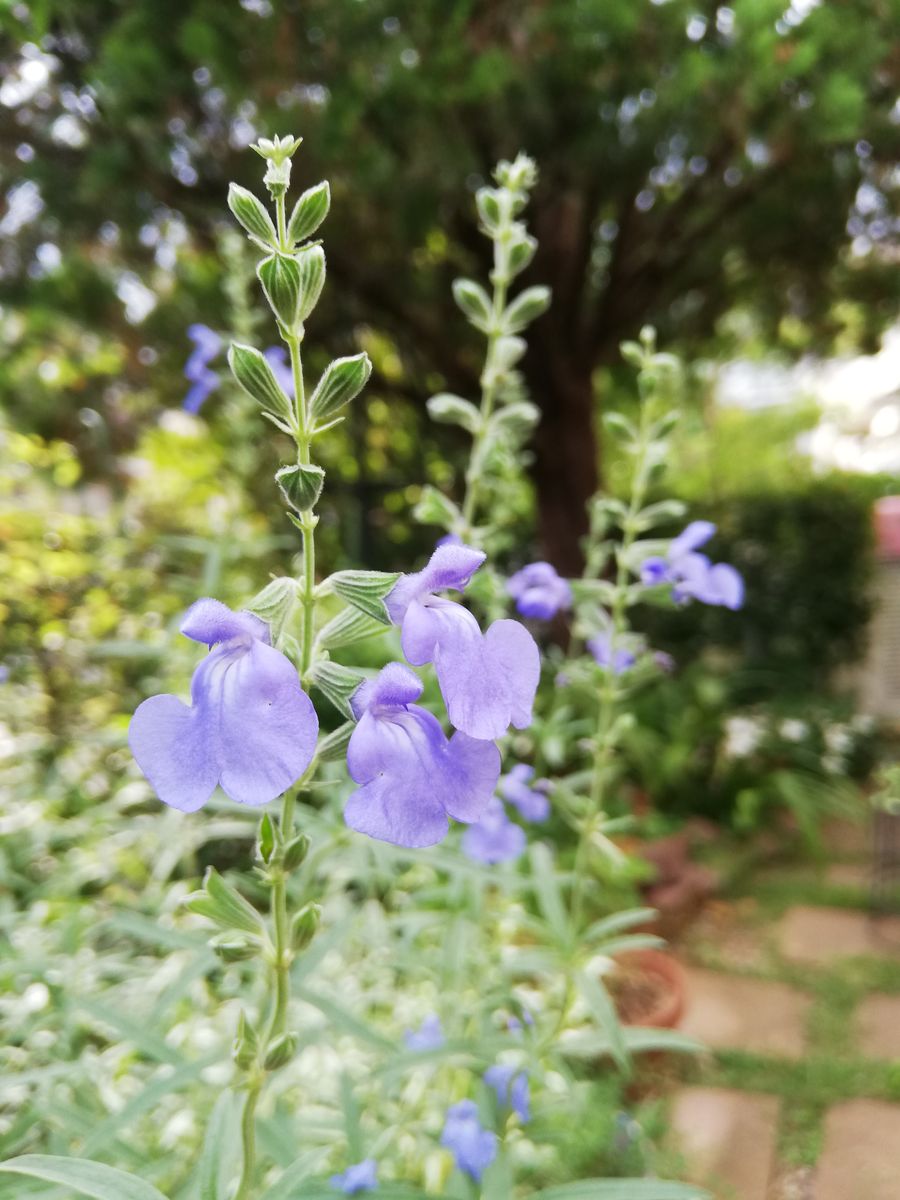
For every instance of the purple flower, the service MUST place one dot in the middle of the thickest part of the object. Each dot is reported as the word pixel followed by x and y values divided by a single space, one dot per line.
pixel 361 1177
pixel 429 1035
pixel 488 680
pixel 532 802
pixel 207 345
pixel 601 648
pixel 515 1025
pixel 473 1147
pixel 664 661
pixel 494 838
pixel 511 1086
pixel 277 358
pixel 250 727
pixel 413 778
pixel 539 592
pixel 692 573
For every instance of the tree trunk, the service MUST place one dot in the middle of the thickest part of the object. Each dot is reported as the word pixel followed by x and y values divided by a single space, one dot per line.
pixel 566 452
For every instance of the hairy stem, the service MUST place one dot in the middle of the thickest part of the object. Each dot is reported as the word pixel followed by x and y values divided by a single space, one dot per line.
pixel 248 1142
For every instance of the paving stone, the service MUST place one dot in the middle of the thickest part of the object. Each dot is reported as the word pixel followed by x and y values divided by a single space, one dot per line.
pixel 819 935
pixel 729 1012
pixel 860 1159
pixel 727 1140
pixel 878 1029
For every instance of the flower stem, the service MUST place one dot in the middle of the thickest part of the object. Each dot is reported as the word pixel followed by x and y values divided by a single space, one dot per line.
pixel 474 472
pixel 248 1142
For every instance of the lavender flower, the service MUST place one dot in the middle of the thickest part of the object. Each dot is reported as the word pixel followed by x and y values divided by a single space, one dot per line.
pixel 429 1035
pixel 539 592
pixel 488 680
pixel 250 727
pixel 493 838
pixel 532 802
pixel 692 573
pixel 473 1147
pixel 511 1087
pixel 207 345
pixel 361 1177
pixel 618 662
pixel 412 776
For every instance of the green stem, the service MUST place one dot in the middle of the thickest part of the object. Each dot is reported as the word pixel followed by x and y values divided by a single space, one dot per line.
pixel 609 695
pixel 248 1141
pixel 488 391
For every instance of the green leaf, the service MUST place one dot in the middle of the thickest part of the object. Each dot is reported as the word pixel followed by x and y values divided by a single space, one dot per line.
pixel 337 683
pixel 365 590
pixel 281 281
pixel 526 307
pixel 252 214
pixel 623 1189
pixel 82 1176
pixel 256 377
pixel 488 202
pixel 349 626
pixel 342 380
pixel 546 887
pixel 597 998
pixel 474 302
pixel 620 427
pixel 454 410
pixel 301 485
pixel 521 252
pixel 217 1155
pixel 618 922
pixel 312 278
pixel 300 1169
pixel 345 1021
pixel 515 420
pixel 434 508
pixel 309 212
pixel 334 745
pixel 223 905
pixel 275 604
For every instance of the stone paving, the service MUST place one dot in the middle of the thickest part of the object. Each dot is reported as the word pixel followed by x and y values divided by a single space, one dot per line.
pixel 861 1157
pixel 728 1140
pixel 731 1012
pixel 819 936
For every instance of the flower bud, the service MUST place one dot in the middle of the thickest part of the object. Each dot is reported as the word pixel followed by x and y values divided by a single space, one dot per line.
pixel 265 839
pixel 301 485
pixel 296 851
pixel 304 925
pixel 233 949
pixel 246 1044
pixel 275 604
pixel 279 275
pixel 281 1051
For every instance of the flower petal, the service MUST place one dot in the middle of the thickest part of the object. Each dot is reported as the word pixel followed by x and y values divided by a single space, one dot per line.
pixel 451 566
pixel 211 621
pixel 727 585
pixel 489 682
pixel 267 723
pixel 177 749
pixel 695 535
pixel 470 777
pixel 428 625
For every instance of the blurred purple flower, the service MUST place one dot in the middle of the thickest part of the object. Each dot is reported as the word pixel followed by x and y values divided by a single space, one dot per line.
pixel 532 802
pixel 361 1177
pixel 488 680
pixel 511 1087
pixel 473 1147
pixel 429 1035
pixel 493 838
pixel 664 661
pixel 515 1025
pixel 693 575
pixel 277 358
pixel 601 648
pixel 539 592
pixel 413 778
pixel 250 727
pixel 207 345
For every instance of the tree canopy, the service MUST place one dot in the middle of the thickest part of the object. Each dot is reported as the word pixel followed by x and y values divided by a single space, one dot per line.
pixel 713 170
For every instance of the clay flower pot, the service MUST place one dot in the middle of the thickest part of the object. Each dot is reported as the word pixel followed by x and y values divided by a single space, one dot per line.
pixel 648 988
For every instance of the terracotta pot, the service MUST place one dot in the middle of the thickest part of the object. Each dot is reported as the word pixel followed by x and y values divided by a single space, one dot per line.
pixel 665 976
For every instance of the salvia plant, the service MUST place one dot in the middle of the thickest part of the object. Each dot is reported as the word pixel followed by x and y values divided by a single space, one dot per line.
pixel 401 773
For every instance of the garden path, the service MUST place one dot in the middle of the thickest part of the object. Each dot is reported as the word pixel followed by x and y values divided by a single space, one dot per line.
pixel 795 989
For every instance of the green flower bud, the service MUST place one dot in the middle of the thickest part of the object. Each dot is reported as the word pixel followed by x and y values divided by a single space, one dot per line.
pixel 246 1044
pixel 296 851
pixel 304 925
pixel 281 1051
